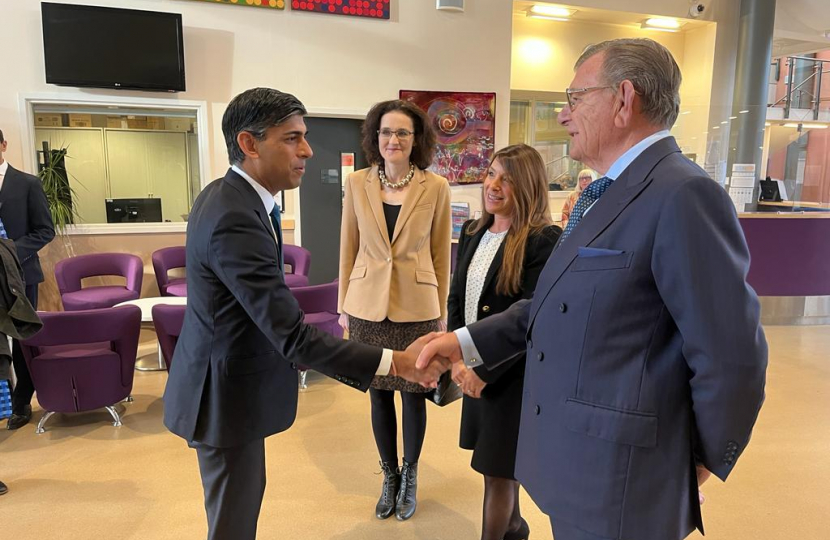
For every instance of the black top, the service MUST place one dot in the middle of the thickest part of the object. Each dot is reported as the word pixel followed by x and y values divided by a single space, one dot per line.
pixel 391 213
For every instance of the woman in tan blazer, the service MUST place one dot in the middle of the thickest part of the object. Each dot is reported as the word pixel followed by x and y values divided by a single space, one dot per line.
pixel 395 275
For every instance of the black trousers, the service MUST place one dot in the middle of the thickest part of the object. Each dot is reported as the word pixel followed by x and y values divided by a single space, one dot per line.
pixel 24 389
pixel 234 483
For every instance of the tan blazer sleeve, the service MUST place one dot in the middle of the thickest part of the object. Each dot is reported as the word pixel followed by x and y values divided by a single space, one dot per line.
pixel 349 243
pixel 441 239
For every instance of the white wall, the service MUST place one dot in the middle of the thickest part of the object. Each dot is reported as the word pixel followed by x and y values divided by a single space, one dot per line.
pixel 329 62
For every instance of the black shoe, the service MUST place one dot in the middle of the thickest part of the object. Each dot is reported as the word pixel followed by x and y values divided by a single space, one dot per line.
pixel 522 533
pixel 3 489
pixel 389 491
pixel 406 503
pixel 18 420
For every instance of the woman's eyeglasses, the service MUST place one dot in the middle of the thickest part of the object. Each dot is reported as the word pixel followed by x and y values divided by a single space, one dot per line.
pixel 401 134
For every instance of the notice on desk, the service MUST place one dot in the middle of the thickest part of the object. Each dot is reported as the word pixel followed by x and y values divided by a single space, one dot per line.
pixel 741 196
pixel 743 175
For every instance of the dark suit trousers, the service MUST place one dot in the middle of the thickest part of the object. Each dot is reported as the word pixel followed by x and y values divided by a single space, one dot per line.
pixel 24 389
pixel 566 531
pixel 234 483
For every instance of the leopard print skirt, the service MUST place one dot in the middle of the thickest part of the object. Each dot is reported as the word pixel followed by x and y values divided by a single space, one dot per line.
pixel 395 336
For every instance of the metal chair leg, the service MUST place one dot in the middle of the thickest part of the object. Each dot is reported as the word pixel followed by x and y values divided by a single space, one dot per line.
pixel 42 422
pixel 115 416
pixel 303 375
pixel 129 399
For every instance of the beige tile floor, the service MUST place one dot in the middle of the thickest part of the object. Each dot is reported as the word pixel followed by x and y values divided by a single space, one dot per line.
pixel 84 479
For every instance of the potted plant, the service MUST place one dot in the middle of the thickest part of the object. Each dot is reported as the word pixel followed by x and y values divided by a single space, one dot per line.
pixel 59 192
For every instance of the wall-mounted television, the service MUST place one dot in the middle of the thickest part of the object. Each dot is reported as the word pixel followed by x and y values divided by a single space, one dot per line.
pixel 102 47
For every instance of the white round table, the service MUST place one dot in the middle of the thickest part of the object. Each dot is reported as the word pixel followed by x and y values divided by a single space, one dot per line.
pixel 146 307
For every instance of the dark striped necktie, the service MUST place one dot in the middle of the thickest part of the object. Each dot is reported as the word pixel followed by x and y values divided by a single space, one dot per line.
pixel 276 221
pixel 590 195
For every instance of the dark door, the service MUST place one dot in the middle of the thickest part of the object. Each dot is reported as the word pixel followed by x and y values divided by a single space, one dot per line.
pixel 320 192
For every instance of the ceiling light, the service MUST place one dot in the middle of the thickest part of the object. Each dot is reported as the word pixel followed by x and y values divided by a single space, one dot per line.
pixel 660 23
pixel 742 112
pixel 767 124
pixel 724 122
pixel 550 11
pixel 805 126
pixel 733 117
pixel 546 18
pixel 715 127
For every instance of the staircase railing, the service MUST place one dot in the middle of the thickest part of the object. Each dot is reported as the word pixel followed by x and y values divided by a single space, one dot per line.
pixel 810 86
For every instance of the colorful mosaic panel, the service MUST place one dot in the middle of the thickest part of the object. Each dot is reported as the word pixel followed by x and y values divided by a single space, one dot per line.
pixel 373 9
pixel 269 4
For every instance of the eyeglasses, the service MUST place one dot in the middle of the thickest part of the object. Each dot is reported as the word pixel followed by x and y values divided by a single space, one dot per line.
pixel 401 134
pixel 570 92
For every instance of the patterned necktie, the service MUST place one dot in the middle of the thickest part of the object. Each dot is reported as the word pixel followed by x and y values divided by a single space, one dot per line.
pixel 589 196
pixel 276 221
pixel 3 233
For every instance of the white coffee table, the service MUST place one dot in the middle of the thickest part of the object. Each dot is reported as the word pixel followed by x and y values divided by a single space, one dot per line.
pixel 146 307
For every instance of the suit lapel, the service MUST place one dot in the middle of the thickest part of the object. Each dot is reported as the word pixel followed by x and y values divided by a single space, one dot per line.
pixel 619 195
pixel 254 201
pixel 5 188
pixel 413 195
pixel 376 203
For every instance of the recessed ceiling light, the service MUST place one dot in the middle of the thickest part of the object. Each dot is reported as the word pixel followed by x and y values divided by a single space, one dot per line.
pixel 724 122
pixel 805 126
pixel 733 117
pixel 742 112
pixel 552 11
pixel 661 23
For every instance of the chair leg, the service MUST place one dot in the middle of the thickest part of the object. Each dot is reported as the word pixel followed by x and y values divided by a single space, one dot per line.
pixel 129 399
pixel 42 422
pixel 303 374
pixel 115 416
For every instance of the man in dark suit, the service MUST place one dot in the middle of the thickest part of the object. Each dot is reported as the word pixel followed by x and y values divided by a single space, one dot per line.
pixel 26 219
pixel 234 379
pixel 646 360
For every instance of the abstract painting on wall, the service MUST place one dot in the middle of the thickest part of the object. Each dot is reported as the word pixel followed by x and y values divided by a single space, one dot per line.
pixel 272 4
pixel 465 123
pixel 373 9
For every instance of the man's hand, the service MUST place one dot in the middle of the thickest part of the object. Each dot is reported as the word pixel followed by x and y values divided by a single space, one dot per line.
pixel 445 347
pixel 703 475
pixel 403 363
pixel 472 385
pixel 459 371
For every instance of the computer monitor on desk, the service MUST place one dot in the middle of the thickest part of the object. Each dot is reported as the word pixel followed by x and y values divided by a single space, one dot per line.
pixel 133 210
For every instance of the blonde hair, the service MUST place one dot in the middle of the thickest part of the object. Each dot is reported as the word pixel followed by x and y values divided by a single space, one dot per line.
pixel 525 169
pixel 584 172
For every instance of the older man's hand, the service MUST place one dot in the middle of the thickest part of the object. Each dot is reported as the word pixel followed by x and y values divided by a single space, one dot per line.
pixel 403 363
pixel 442 348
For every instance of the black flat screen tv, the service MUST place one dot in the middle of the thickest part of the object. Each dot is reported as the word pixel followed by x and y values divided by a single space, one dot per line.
pixel 113 48
pixel 133 210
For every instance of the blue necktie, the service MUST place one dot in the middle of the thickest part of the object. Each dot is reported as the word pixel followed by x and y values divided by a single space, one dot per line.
pixel 589 196
pixel 3 233
pixel 276 221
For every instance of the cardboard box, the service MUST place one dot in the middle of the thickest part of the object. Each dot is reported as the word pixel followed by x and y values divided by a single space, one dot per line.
pixel 80 120
pixel 48 120
pixel 137 122
pixel 155 122
pixel 179 124
pixel 116 122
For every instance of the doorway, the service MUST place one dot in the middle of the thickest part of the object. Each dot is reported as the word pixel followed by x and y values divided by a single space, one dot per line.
pixel 321 202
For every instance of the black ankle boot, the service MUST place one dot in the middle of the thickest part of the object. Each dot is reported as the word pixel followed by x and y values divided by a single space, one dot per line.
pixel 522 533
pixel 406 496
pixel 389 491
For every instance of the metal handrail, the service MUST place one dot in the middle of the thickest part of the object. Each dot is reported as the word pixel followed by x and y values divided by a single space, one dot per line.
pixel 816 77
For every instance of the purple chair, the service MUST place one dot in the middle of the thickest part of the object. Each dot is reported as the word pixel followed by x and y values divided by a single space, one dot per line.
pixel 168 321
pixel 69 273
pixel 300 260
pixel 167 259
pixel 83 360
pixel 319 304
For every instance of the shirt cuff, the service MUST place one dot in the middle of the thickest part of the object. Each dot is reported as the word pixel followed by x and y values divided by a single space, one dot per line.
pixel 385 365
pixel 469 352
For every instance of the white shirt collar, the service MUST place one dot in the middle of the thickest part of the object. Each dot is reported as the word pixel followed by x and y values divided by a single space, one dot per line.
pixel 267 199
pixel 4 167
pixel 633 153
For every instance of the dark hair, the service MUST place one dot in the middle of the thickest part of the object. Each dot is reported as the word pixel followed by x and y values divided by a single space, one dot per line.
pixel 2 140
pixel 423 146
pixel 255 111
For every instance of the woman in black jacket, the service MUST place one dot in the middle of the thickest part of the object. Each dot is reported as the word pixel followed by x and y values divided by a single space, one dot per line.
pixel 500 257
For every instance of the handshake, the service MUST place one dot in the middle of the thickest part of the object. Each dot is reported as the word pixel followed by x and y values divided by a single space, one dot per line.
pixel 428 357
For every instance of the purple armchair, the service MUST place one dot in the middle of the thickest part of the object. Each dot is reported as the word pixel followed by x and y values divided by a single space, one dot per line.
pixel 69 273
pixel 168 321
pixel 167 259
pixel 300 260
pixel 319 304
pixel 83 360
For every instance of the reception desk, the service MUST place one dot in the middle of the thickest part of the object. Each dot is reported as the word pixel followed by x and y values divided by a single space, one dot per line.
pixel 790 265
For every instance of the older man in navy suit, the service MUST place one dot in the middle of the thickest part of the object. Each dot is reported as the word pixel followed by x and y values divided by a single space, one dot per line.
pixel 646 359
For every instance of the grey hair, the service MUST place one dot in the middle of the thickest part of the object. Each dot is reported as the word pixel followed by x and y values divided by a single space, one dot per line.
pixel 651 69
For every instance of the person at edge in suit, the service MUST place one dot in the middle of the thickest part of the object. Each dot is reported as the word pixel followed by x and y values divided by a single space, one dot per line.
pixel 500 257
pixel 395 276
pixel 586 176
pixel 646 360
pixel 233 381
pixel 26 219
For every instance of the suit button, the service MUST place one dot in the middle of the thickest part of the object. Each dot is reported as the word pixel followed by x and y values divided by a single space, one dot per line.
pixel 563 307
pixel 485 309
pixel 529 344
pixel 538 410
pixel 388 259
pixel 540 356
